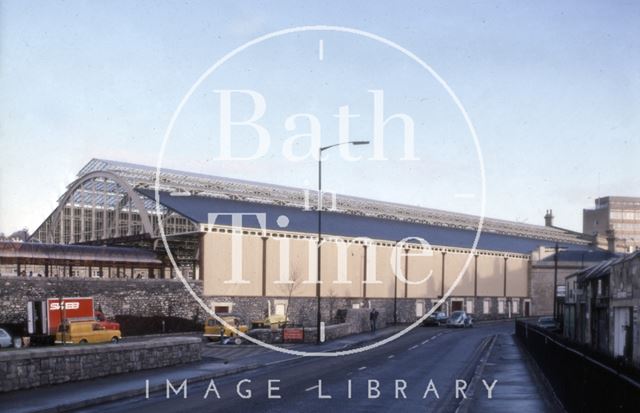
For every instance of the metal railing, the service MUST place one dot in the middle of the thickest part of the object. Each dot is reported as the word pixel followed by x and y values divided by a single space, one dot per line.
pixel 581 383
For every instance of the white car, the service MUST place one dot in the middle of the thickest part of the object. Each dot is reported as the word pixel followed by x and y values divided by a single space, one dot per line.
pixel 5 339
pixel 460 319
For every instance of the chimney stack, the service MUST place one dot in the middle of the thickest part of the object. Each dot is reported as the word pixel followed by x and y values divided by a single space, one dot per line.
pixel 611 240
pixel 548 218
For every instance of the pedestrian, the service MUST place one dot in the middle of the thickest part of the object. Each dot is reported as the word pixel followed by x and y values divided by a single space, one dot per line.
pixel 373 317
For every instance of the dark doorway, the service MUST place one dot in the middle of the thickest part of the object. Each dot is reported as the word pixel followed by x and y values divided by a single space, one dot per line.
pixel 527 308
pixel 628 338
pixel 456 305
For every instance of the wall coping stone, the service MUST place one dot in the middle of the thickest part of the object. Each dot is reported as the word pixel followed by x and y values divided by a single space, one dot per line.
pixel 76 349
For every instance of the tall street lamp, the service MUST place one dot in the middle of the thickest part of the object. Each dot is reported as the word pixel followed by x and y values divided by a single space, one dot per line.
pixel 318 285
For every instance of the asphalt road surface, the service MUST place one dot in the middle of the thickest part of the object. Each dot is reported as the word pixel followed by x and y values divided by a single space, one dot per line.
pixel 314 384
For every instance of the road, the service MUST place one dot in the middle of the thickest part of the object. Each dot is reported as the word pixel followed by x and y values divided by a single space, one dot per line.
pixel 437 354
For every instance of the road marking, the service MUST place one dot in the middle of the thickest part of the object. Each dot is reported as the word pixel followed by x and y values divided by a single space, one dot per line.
pixel 321 50
pixel 426 341
pixel 362 368
pixel 411 348
pixel 391 356
pixel 311 388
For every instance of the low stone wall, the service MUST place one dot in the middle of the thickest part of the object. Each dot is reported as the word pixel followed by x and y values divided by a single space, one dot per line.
pixel 356 321
pixel 27 368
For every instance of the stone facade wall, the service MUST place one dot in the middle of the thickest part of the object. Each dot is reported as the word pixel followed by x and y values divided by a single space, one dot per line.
pixel 52 365
pixel 302 311
pixel 170 298
pixel 114 296
pixel 542 285
pixel 624 289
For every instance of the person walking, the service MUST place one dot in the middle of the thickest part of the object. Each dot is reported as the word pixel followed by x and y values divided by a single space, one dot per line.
pixel 373 317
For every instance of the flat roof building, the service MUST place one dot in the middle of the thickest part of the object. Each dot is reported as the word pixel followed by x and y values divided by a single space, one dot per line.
pixel 616 219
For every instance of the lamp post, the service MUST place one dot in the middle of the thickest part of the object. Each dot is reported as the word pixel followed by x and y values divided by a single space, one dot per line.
pixel 318 285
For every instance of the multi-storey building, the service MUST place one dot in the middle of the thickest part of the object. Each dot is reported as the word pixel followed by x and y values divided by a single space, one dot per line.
pixel 616 221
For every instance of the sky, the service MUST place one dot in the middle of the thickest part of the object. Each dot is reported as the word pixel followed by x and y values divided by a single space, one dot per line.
pixel 552 90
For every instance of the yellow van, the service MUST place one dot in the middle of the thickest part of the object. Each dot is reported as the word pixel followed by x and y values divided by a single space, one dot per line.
pixel 214 330
pixel 86 332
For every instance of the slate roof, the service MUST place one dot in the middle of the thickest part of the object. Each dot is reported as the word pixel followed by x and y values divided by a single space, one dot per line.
pixel 197 208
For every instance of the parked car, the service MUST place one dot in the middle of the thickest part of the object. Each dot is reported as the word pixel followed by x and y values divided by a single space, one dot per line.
pixel 460 319
pixel 435 319
pixel 5 339
pixel 86 332
pixel 214 330
pixel 273 321
pixel 548 323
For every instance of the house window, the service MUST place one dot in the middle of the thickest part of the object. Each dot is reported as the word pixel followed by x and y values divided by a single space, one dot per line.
pixel 501 302
pixel 280 307
pixel 486 306
pixel 222 308
pixel 515 303
pixel 470 306
pixel 419 308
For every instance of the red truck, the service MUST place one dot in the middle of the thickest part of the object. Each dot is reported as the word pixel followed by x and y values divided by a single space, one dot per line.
pixel 44 317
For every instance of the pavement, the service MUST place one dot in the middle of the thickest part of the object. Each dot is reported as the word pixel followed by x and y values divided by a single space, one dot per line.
pixel 319 384
pixel 522 387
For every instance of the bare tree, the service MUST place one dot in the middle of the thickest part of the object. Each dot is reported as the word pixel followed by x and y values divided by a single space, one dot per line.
pixel 20 235
pixel 290 288
pixel 332 303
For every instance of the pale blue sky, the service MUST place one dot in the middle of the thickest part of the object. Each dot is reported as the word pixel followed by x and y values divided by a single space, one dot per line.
pixel 553 89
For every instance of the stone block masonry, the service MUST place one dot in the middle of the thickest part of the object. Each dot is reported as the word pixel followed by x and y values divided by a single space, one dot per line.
pixel 36 367
pixel 167 298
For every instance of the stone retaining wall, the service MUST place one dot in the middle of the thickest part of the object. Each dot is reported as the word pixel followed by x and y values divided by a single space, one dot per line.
pixel 27 368
pixel 167 298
